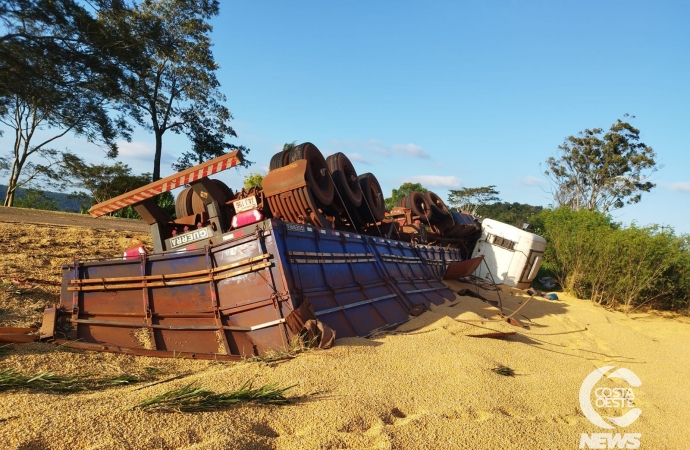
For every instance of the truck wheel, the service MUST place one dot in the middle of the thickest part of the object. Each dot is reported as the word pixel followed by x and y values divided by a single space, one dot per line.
pixel 372 198
pixel 317 172
pixel 439 210
pixel 278 160
pixel 419 205
pixel 345 178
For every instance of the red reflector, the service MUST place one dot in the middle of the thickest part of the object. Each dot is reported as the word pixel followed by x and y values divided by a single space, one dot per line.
pixel 134 252
pixel 246 218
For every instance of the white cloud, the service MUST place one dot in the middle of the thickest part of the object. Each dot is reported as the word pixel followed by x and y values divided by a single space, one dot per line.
pixel 680 186
pixel 412 150
pixel 531 180
pixel 379 148
pixel 136 150
pixel 356 157
pixel 436 181
pixel 372 145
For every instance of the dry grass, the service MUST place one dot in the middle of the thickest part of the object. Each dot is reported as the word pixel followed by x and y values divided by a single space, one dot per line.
pixel 38 252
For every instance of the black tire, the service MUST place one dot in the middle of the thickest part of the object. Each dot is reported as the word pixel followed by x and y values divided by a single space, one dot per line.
pixel 373 207
pixel 277 160
pixel 439 210
pixel 198 206
pixel 188 202
pixel 419 205
pixel 345 178
pixel 286 157
pixel 225 189
pixel 182 202
pixel 317 172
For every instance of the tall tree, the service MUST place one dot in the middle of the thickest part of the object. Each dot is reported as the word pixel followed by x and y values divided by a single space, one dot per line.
pixel 599 170
pixel 57 76
pixel 511 213
pixel 171 79
pixel 401 192
pixel 253 180
pixel 470 199
pixel 103 181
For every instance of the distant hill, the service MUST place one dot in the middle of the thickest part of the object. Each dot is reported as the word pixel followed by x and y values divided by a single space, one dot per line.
pixel 64 203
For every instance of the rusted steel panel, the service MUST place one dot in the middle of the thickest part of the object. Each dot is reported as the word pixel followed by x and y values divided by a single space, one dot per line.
pixel 223 306
pixel 463 268
pixel 289 198
pixel 233 298
pixel 17 335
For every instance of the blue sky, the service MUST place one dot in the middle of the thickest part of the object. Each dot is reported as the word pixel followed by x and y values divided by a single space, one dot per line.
pixel 455 94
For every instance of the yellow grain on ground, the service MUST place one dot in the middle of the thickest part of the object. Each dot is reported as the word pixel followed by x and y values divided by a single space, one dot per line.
pixel 426 384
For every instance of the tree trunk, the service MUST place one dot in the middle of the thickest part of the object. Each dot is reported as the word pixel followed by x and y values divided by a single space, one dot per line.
pixel 12 183
pixel 9 197
pixel 157 156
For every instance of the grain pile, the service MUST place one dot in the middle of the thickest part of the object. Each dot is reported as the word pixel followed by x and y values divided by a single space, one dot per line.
pixel 425 385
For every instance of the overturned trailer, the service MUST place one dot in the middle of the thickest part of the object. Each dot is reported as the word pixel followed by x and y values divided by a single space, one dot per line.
pixel 241 274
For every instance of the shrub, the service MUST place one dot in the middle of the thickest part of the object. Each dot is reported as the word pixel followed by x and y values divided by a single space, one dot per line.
pixel 595 258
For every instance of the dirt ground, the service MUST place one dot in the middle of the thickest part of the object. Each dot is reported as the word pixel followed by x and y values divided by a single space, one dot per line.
pixel 427 384
pixel 36 216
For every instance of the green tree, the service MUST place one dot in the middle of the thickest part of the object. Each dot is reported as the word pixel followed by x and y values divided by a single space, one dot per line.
pixel 55 76
pixel 253 180
pixel 599 170
pixel 170 74
pixel 469 199
pixel 105 181
pixel 36 199
pixel 515 213
pixel 402 191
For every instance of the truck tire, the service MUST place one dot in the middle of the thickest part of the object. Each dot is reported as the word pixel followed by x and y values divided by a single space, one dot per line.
pixel 345 178
pixel 419 205
pixel 317 172
pixel 373 207
pixel 439 210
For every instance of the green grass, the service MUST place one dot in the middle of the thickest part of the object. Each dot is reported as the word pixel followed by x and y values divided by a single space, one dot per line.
pixel 10 379
pixel 504 370
pixel 195 398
